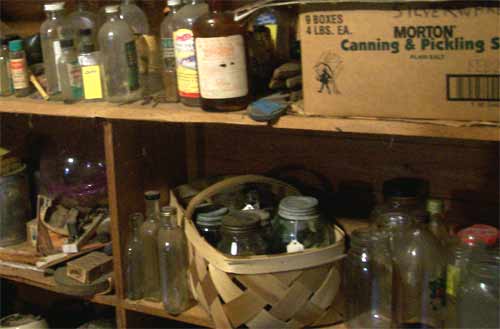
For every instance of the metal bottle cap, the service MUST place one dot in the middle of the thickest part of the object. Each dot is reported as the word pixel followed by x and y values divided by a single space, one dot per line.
pixel 54 6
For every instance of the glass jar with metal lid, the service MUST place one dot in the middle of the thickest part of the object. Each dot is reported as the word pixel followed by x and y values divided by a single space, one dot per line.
pixel 209 221
pixel 298 225
pixel 241 235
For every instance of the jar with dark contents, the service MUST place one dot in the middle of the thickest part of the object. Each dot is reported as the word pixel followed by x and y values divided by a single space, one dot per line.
pixel 241 235
pixel 209 221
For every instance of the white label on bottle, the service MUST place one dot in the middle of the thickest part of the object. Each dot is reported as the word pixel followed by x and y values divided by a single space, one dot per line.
pixel 222 67
pixel 18 71
pixel 294 246
pixel 57 54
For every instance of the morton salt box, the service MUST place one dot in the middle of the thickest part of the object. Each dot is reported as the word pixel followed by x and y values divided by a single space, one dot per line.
pixel 439 62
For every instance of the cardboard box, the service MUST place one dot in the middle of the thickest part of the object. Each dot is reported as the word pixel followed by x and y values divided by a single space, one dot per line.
pixel 90 267
pixel 402 63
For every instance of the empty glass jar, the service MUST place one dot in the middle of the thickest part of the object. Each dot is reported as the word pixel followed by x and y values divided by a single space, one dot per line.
pixel 368 278
pixel 241 235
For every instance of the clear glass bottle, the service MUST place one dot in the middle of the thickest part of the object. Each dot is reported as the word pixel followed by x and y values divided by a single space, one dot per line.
pixel 435 208
pixel 135 257
pixel 70 72
pixel 368 279
pixel 187 71
pixel 6 87
pixel 91 68
pixel 241 236
pixel 209 221
pixel 19 68
pixel 478 295
pixel 168 51
pixel 119 59
pixel 221 60
pixel 173 262
pixel 83 19
pixel 134 16
pixel 419 280
pixel 149 237
pixel 52 30
pixel 403 194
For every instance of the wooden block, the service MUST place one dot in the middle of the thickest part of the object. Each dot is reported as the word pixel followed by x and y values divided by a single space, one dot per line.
pixel 88 268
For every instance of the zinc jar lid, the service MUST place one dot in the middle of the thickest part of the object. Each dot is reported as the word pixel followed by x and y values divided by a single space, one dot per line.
pixel 299 208
pixel 54 6
pixel 112 9
pixel 238 222
pixel 211 215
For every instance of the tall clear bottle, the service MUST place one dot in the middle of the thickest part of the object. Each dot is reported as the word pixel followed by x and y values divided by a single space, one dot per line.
pixel 70 72
pixel 52 30
pixel 187 71
pixel 82 19
pixel 168 51
pixel 119 58
pixel 135 257
pixel 134 16
pixel 221 60
pixel 19 68
pixel 149 236
pixel 172 253
pixel 6 87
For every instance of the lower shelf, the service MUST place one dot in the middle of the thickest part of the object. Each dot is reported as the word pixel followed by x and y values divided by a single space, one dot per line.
pixel 38 279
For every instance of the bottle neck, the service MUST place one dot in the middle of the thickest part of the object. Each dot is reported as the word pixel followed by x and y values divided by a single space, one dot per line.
pixel 52 15
pixel 112 17
pixel 152 208
pixel 167 221
pixel 216 6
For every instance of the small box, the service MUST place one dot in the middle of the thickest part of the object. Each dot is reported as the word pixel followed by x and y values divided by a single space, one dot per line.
pixel 88 268
pixel 420 61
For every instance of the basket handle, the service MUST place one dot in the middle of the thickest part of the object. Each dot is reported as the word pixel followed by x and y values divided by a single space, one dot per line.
pixel 232 182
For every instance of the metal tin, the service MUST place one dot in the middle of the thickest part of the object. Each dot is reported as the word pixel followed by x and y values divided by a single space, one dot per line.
pixel 22 321
pixel 14 207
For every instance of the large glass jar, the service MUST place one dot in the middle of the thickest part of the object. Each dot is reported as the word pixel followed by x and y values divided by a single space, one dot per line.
pixel 419 273
pixel 478 298
pixel 241 235
pixel 209 221
pixel 298 225
pixel 173 263
pixel 368 278
pixel 405 195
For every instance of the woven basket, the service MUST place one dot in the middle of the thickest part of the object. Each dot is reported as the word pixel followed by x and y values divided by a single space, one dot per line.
pixel 268 291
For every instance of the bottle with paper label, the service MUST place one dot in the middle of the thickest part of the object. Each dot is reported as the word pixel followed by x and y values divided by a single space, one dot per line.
pixel 187 71
pixel 221 58
pixel 70 73
pixel 52 31
pixel 90 64
pixel 119 56
pixel 19 68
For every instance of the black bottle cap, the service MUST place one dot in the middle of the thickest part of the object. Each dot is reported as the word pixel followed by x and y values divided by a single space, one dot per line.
pixel 86 32
pixel 405 187
pixel 67 43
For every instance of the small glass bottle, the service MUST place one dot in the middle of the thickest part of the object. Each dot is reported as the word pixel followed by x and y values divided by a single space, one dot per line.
pixel 19 68
pixel 134 16
pixel 83 19
pixel 419 273
pixel 241 236
pixel 209 221
pixel 478 295
pixel 119 59
pixel 6 87
pixel 221 60
pixel 91 68
pixel 149 236
pixel 187 71
pixel 368 278
pixel 135 257
pixel 173 263
pixel 52 30
pixel 435 208
pixel 70 73
pixel 168 51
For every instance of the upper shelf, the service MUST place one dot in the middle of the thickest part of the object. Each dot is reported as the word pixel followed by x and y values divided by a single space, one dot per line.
pixel 182 114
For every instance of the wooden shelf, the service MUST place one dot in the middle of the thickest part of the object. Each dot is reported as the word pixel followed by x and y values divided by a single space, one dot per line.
pixel 195 315
pixel 37 279
pixel 181 114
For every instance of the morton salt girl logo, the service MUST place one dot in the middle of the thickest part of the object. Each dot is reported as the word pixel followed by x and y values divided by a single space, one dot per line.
pixel 327 70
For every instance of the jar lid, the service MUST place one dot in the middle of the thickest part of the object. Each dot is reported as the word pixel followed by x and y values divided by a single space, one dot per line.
pixel 173 2
pixel 404 187
pixel 54 6
pixel 112 9
pixel 152 195
pixel 238 222
pixel 299 208
pixel 479 233
pixel 16 45
pixel 211 215
pixel 435 206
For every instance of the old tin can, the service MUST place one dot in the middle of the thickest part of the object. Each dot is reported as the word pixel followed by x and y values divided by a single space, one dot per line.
pixel 14 207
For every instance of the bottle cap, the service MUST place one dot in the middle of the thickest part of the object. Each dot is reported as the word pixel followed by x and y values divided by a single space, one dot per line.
pixel 435 206
pixel 479 233
pixel 168 211
pixel 87 32
pixel 54 6
pixel 152 195
pixel 404 187
pixel 173 2
pixel 112 9
pixel 67 43
pixel 299 208
pixel 16 45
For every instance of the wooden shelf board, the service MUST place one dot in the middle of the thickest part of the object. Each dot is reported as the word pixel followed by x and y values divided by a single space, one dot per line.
pixel 195 315
pixel 37 279
pixel 181 114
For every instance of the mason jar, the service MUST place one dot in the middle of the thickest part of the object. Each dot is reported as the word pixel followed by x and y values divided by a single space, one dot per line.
pixel 368 278
pixel 241 235
pixel 209 221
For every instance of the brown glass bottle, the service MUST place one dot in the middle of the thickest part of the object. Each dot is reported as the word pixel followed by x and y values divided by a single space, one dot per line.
pixel 221 60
